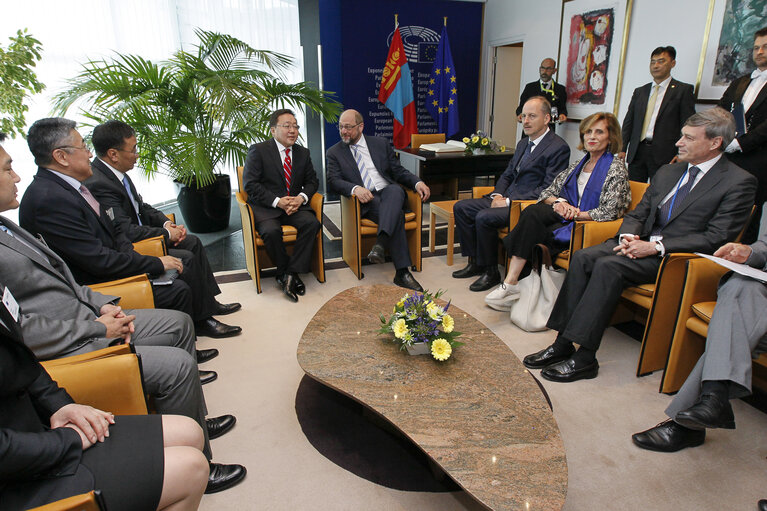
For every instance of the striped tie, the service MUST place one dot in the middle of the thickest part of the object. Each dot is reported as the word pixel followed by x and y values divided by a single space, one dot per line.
pixel 668 207
pixel 288 167
pixel 366 179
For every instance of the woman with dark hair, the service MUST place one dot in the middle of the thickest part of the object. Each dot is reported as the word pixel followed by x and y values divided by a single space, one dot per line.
pixel 595 188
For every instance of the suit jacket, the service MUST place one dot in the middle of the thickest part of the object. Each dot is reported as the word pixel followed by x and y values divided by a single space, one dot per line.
pixel 90 244
pixel 549 158
pixel 28 398
pixel 111 193
pixel 758 257
pixel 343 173
pixel 533 89
pixel 713 213
pixel 264 178
pixel 677 106
pixel 57 314
pixel 753 143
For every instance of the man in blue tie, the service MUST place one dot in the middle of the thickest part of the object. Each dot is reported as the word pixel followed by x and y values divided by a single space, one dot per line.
pixel 117 153
pixel 540 155
pixel 696 205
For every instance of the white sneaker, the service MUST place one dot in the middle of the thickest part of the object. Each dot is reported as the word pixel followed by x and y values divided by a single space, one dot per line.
pixel 502 297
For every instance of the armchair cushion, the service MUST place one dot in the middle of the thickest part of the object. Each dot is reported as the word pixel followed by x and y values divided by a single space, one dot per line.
pixel 135 292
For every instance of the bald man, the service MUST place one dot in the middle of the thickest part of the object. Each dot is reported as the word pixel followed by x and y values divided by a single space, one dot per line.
pixel 555 93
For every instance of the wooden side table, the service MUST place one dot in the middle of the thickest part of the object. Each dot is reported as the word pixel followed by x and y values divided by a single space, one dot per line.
pixel 443 210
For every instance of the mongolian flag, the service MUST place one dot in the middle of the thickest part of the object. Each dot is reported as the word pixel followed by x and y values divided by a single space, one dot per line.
pixel 396 92
pixel 442 94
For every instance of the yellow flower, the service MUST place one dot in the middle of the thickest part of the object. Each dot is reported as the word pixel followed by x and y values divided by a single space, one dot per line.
pixel 466 140
pixel 402 300
pixel 441 349
pixel 434 310
pixel 475 139
pixel 503 148
pixel 485 141
pixel 400 328
pixel 448 323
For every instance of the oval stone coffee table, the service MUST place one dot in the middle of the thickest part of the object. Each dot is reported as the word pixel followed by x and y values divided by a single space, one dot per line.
pixel 480 415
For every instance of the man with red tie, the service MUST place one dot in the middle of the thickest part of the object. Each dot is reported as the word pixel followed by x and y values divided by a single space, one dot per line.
pixel 280 180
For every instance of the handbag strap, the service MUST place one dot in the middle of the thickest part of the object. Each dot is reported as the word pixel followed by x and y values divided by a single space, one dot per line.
pixel 541 257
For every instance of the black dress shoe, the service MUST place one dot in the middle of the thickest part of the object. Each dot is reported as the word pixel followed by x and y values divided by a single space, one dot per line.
pixel 207 376
pixel 205 355
pixel 668 436
pixel 212 327
pixel 709 412
pixel 547 356
pixel 217 426
pixel 223 477
pixel 376 254
pixel 762 505
pixel 470 270
pixel 226 308
pixel 299 285
pixel 570 370
pixel 289 287
pixel 406 280
pixel 490 278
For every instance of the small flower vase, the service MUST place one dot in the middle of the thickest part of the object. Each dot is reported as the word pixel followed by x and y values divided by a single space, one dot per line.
pixel 478 150
pixel 419 348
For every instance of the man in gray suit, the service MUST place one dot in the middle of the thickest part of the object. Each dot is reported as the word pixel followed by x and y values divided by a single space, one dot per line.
pixel 693 206
pixel 61 318
pixel 737 331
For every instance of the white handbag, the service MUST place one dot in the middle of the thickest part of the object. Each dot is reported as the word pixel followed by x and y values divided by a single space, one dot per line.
pixel 537 292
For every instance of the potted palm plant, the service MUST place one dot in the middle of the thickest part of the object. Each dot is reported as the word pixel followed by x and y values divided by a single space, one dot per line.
pixel 194 113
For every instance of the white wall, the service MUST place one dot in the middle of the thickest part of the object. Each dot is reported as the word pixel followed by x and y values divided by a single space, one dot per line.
pixel 679 23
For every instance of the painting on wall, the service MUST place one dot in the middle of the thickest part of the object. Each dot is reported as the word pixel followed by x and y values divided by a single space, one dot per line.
pixel 591 48
pixel 727 49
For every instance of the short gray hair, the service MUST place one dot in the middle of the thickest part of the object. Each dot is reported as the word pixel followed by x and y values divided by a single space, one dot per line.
pixel 47 134
pixel 718 123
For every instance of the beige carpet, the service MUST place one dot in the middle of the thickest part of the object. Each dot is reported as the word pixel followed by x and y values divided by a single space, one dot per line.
pixel 259 376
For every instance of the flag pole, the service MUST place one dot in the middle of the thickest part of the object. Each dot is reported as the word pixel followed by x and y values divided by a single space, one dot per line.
pixel 445 20
pixel 396 22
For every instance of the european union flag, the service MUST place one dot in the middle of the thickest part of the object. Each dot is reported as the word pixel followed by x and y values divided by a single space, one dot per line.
pixel 442 93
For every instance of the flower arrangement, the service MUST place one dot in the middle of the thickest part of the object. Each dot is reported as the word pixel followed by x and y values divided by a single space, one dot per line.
pixel 418 319
pixel 480 141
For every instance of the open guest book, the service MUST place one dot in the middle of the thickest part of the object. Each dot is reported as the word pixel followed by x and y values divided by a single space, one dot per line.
pixel 451 146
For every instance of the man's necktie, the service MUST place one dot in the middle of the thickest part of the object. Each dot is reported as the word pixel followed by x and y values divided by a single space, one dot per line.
pixel 650 110
pixel 526 155
pixel 670 205
pixel 90 199
pixel 367 180
pixel 129 188
pixel 287 165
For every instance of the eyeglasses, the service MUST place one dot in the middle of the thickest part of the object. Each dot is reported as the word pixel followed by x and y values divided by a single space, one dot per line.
pixel 548 68
pixel 347 127
pixel 287 126
pixel 83 147
pixel 129 151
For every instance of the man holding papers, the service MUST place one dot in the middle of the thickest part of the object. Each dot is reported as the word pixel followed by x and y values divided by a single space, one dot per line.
pixel 737 331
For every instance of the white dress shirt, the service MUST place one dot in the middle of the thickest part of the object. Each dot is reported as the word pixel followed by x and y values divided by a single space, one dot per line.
pixel 281 148
pixel 662 88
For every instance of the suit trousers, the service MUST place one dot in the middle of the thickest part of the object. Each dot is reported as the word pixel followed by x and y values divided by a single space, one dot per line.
pixel 643 166
pixel 270 230
pixel 198 275
pixel 536 225
pixel 165 340
pixel 477 224
pixel 594 283
pixel 738 329
pixel 177 296
pixel 387 210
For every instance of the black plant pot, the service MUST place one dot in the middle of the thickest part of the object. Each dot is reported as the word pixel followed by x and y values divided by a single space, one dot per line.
pixel 206 209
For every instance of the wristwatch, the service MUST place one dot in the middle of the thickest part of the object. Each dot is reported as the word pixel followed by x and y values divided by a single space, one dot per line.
pixel 659 247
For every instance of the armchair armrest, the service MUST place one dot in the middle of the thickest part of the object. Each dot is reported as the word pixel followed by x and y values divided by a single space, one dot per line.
pixel 135 292
pixel 91 501
pixel 316 203
pixel 480 191
pixel 171 217
pixel 154 246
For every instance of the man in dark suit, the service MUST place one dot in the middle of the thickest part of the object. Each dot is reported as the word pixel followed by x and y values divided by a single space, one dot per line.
pixel 59 208
pixel 696 205
pixel 280 181
pixel 555 93
pixel 117 151
pixel 366 168
pixel 539 157
pixel 656 114
pixel 749 150
pixel 61 318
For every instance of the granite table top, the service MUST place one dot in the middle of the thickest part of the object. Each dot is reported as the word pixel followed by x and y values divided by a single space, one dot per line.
pixel 479 415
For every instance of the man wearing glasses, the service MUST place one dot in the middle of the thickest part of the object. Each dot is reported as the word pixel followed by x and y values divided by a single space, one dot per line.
pixel 555 93
pixel 117 151
pixel 366 168
pixel 279 179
